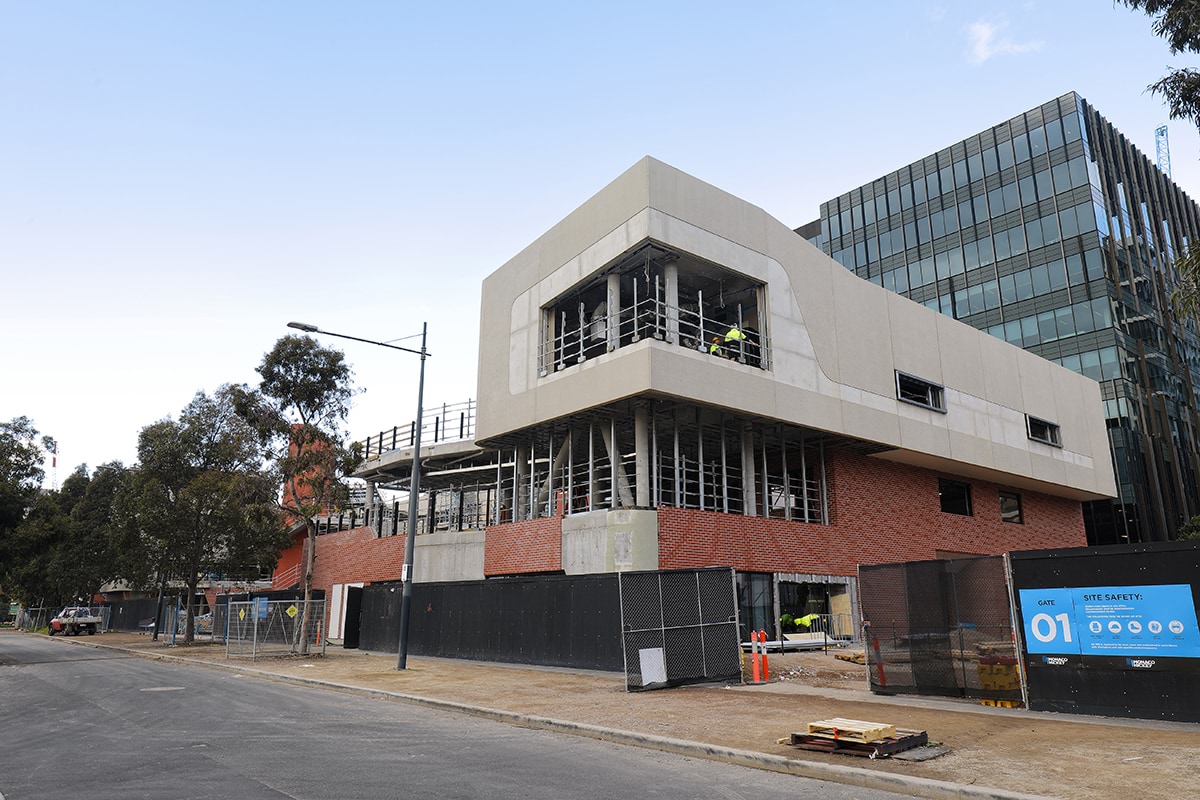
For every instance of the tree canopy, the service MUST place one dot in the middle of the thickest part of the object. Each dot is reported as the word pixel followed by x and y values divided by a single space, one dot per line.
pixel 298 410
pixel 201 501
pixel 1177 21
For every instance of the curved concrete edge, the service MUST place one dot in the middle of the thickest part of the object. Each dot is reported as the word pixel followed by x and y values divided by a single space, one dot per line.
pixel 911 785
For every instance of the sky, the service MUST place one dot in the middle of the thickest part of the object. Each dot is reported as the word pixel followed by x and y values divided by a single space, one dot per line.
pixel 178 181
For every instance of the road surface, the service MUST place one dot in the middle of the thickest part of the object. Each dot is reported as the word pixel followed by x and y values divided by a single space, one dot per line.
pixel 78 722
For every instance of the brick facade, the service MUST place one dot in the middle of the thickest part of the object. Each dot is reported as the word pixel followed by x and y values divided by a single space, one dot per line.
pixel 529 545
pixel 348 557
pixel 880 512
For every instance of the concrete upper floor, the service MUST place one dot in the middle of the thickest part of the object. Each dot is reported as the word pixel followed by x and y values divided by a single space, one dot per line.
pixel 639 290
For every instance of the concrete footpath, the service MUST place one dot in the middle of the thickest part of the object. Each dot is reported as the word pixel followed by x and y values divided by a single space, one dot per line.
pixel 1017 753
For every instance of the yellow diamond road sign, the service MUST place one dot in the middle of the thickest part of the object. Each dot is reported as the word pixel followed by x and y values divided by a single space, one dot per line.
pixel 241 613
pixel 292 611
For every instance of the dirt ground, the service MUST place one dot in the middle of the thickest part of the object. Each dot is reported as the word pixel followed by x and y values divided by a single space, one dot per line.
pixel 1047 756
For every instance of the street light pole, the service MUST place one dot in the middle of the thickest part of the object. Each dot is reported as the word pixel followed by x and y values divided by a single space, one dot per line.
pixel 413 499
pixel 415 484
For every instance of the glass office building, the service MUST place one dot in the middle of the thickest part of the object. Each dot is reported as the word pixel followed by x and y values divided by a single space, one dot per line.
pixel 1053 232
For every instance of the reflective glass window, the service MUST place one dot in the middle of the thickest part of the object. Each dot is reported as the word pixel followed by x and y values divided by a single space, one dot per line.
pixel 937 222
pixel 971 255
pixel 951 216
pixel 1047 327
pixel 1054 134
pixel 923 229
pixel 918 189
pixel 1037 141
pixel 1110 367
pixel 1016 240
pixel 1058 275
pixel 975 167
pixel 835 227
pixel 975 299
pixel 856 215
pixel 1102 313
pixel 947 179
pixel 1033 233
pixel 1062 177
pixel 965 218
pixel 872 249
pixel 1044 188
pixel 869 211
pixel 1012 200
pixel 1064 322
pixel 931 183
pixel 1041 279
pixel 985 252
pixel 1012 332
pixel 1066 218
pixel 1004 153
pixel 893 199
pixel 906 196
pixel 1095 266
pixel 910 234
pixel 901 279
pixel 1021 147
pixel 1075 274
pixel 881 210
pixel 1029 332
pixel 1078 170
pixel 960 174
pixel 956 262
pixel 1008 289
pixel 991 295
pixel 942 262
pixel 1089 364
pixel 996 201
pixel 1001 240
pixel 1028 192
pixel 1070 125
pixel 990 165
pixel 1024 284
pixel 1050 233
pixel 979 203
pixel 1086 216
pixel 1084 322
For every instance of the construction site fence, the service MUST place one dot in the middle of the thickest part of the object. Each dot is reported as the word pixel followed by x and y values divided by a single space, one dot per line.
pixel 262 627
pixel 33 619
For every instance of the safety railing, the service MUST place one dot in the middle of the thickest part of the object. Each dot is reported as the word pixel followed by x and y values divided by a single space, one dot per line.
pixel 446 423
pixel 573 337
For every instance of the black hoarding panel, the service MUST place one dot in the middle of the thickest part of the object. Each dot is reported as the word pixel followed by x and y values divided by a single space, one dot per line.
pixel 556 620
pixel 1112 630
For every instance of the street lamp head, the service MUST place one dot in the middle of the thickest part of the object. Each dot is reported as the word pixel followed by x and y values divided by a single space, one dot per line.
pixel 304 326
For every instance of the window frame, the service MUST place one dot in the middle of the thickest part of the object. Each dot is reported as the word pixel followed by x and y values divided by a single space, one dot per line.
pixel 1020 517
pixel 941 497
pixel 1053 431
pixel 935 392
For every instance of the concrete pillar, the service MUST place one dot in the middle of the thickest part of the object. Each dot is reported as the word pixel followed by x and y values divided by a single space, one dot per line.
pixel 671 280
pixel 614 311
pixel 749 489
pixel 622 497
pixel 641 436
pixel 521 489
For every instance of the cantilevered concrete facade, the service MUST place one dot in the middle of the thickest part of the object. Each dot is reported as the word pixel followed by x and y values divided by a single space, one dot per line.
pixel 834 344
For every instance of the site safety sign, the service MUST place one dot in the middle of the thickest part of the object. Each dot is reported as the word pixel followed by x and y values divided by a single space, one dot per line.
pixel 1136 622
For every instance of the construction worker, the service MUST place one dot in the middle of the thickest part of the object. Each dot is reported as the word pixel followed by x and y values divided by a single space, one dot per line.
pixel 732 338
pixel 714 347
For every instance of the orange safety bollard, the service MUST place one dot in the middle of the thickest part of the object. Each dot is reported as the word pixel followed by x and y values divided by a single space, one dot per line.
pixel 754 656
pixel 762 636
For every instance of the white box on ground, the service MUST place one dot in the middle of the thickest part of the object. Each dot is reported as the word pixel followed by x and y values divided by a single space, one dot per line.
pixel 654 665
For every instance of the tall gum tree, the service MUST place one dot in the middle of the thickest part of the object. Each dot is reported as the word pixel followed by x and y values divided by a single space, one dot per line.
pixel 299 409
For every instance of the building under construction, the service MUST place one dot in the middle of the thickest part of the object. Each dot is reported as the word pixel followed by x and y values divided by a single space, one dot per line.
pixel 670 377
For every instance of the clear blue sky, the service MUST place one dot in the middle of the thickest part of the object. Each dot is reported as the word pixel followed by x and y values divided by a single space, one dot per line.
pixel 177 181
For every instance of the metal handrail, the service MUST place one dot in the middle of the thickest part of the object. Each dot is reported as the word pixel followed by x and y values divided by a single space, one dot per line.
pixel 450 423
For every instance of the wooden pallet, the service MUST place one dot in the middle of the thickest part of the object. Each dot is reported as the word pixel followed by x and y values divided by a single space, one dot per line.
pixel 853 730
pixel 905 739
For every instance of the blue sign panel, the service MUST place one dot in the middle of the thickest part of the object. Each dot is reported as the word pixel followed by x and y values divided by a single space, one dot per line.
pixel 1155 621
pixel 260 608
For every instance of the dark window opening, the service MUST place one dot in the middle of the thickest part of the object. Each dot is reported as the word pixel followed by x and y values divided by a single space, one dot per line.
pixel 919 392
pixel 1042 431
pixel 955 497
pixel 1010 508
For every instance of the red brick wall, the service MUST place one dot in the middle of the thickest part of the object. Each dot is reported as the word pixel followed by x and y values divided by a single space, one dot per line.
pixel 880 512
pixel 356 555
pixel 528 545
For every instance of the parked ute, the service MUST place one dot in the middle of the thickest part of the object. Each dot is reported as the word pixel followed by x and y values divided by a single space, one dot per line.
pixel 74 620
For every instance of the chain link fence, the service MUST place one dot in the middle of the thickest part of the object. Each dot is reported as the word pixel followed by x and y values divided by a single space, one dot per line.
pixel 33 619
pixel 679 627
pixel 940 628
pixel 274 627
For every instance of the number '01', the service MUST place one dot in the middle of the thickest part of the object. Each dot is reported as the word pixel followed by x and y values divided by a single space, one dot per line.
pixel 1045 630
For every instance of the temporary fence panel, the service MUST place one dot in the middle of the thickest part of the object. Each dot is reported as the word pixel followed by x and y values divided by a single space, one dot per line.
pixel 940 628
pixel 551 620
pixel 272 627
pixel 1111 630
pixel 679 627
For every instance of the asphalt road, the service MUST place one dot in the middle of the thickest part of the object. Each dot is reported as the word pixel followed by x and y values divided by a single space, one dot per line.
pixel 77 722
